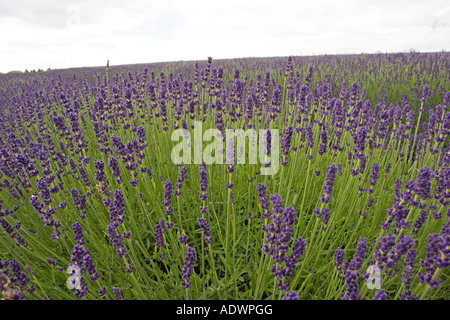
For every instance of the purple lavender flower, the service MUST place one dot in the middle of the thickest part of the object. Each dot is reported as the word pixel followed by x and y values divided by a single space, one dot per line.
pixel 115 169
pixel 422 184
pixel 159 233
pixel 78 233
pixel 12 233
pixel 188 267
pixel 85 177
pixel 384 246
pixel 437 257
pixel 62 205
pixel 278 235
pixel 203 224
pixel 203 182
pixel 351 283
pixel 183 238
pixel 309 135
pixel 277 204
pixel 329 183
pixel 290 295
pixel 78 254
pixel 380 295
pixel 140 132
pixel 403 245
pixel 339 258
pixel 408 266
pixel 298 248
pixel 360 140
pixel 90 267
pixel 51 261
pixel 117 293
pixel 360 254
pixel 168 197
pixel 387 169
pixel 181 177
pixel 116 214
pixel 407 295
pixel 100 172
pixel 286 144
pixel 425 94
pixel 267 142
pixel 102 291
pixel 323 142
pixel 375 174
pixel 263 201
pixel 20 278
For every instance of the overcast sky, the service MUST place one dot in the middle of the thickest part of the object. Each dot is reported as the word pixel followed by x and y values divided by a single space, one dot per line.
pixel 62 34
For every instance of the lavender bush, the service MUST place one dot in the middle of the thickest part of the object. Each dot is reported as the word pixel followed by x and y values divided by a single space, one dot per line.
pixel 89 192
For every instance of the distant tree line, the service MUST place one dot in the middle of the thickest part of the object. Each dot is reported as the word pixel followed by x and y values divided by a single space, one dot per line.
pixel 28 71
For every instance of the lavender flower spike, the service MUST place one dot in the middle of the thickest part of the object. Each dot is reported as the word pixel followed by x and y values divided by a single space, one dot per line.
pixel 205 229
pixel 168 197
pixel 188 267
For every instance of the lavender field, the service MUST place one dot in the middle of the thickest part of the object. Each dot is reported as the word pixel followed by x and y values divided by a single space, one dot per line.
pixel 93 206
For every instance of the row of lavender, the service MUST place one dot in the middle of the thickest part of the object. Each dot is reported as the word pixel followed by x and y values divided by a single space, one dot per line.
pixel 88 182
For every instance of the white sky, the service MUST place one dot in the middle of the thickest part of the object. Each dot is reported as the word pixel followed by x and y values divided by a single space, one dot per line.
pixel 62 34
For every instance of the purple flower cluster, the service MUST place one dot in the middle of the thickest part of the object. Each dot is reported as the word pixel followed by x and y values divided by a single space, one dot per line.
pixel 167 202
pixel 117 293
pixel 351 283
pixel 278 236
pixel 438 256
pixel 407 295
pixel 329 183
pixel 113 164
pixel 79 200
pixel 398 211
pixel 375 174
pixel 290 295
pixel 326 195
pixel 131 154
pixel 203 186
pixel 20 278
pixel 420 221
pixel 81 258
pixel 159 233
pixel 384 246
pixel 5 288
pixel 358 258
pixel 188 267
pixel 203 224
pixel 339 255
pixel 350 269
pixel 13 233
pixel 46 214
pixel 323 142
pixel 422 185
pixel 180 179
pixel 380 295
pixel 117 217
pixel 286 145
pixel 263 201
pixel 183 238
pixel 100 176
pixel 408 266
pixel 51 261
